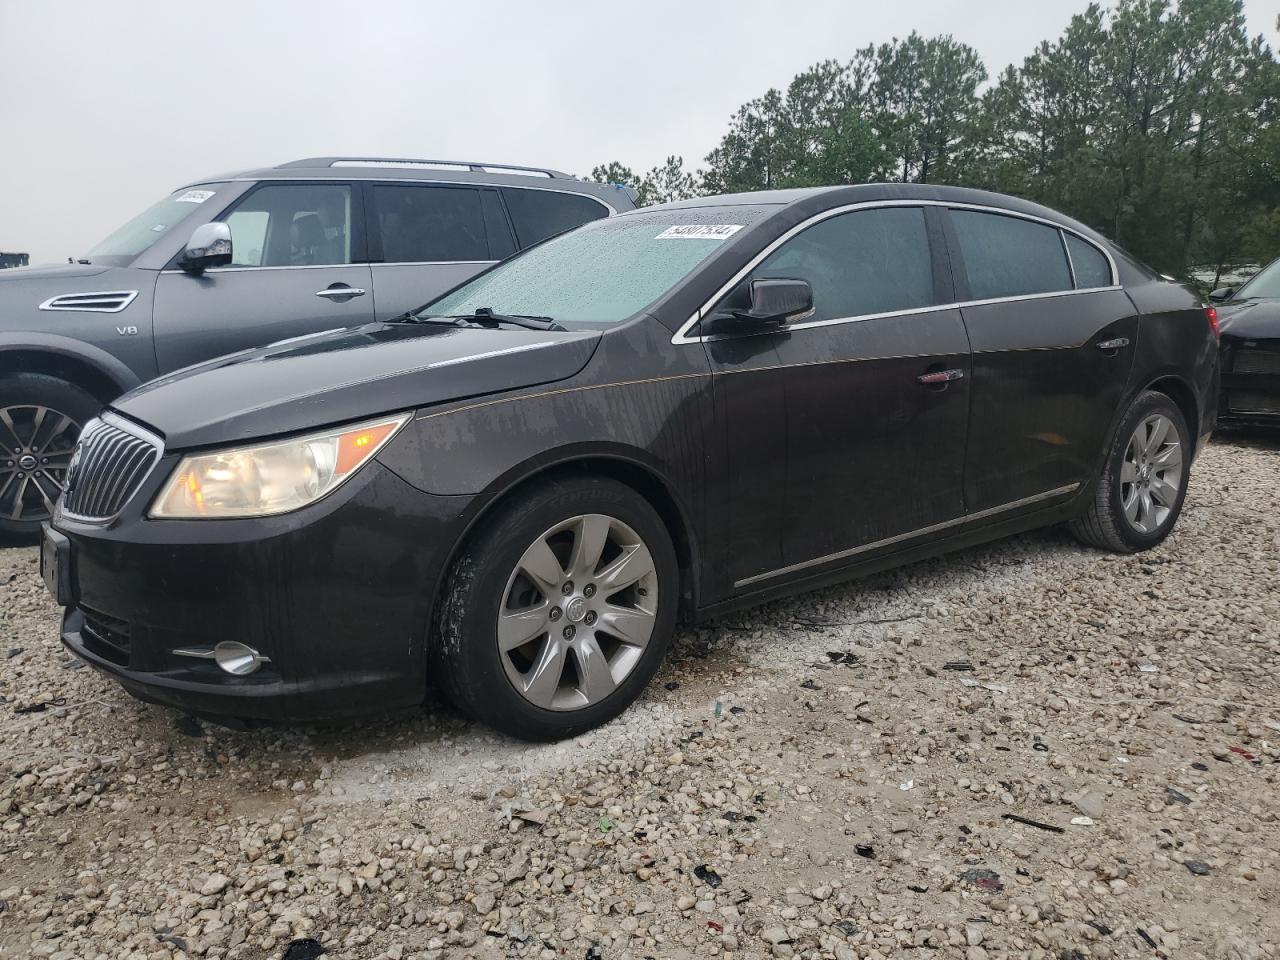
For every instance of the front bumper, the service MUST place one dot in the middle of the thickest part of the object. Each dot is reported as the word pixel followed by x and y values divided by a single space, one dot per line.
pixel 337 595
pixel 1250 394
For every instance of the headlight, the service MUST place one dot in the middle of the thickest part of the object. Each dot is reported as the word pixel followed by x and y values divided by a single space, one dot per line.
pixel 270 478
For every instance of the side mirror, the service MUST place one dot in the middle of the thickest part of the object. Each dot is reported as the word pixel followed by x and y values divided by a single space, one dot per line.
pixel 1221 294
pixel 209 246
pixel 766 303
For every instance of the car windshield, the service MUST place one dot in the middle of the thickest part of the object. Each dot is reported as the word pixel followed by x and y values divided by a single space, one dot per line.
pixel 1264 285
pixel 602 272
pixel 140 233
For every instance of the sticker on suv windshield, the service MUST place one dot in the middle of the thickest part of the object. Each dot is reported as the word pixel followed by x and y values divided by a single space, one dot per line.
pixel 195 196
pixel 699 231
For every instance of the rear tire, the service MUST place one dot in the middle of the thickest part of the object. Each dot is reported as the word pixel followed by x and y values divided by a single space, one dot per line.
pixel 40 421
pixel 1144 480
pixel 558 611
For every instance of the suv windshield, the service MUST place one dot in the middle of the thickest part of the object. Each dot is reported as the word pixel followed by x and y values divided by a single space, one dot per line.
pixel 602 272
pixel 140 233
pixel 1264 285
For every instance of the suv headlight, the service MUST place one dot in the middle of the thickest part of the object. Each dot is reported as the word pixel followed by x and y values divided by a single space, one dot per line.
pixel 270 478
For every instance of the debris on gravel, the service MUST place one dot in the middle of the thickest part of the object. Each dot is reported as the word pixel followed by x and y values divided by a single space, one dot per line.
pixel 965 756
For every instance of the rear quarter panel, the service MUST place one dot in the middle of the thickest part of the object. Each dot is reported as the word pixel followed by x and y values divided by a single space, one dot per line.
pixel 1176 342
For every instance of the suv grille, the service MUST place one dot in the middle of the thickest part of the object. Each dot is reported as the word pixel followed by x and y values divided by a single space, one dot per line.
pixel 108 467
pixel 1256 361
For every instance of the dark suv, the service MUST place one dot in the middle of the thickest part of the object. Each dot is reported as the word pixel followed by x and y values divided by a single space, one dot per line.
pixel 680 409
pixel 245 259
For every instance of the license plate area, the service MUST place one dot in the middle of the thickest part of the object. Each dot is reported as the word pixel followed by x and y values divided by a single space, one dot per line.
pixel 56 566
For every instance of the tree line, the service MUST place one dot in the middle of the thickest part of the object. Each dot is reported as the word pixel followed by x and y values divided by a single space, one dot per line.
pixel 1154 122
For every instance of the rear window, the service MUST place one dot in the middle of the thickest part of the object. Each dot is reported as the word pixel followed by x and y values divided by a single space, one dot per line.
pixel 430 224
pixel 538 214
pixel 1009 256
pixel 1090 266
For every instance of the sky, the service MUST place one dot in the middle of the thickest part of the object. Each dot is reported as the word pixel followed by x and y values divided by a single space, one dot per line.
pixel 106 107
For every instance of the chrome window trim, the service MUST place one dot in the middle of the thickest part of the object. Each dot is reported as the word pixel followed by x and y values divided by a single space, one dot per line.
pixel 911 534
pixel 1071 264
pixel 52 303
pixel 682 335
pixel 124 426
pixel 360 263
pixel 422 181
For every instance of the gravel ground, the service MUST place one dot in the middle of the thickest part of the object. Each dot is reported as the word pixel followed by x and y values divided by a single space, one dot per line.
pixel 838 775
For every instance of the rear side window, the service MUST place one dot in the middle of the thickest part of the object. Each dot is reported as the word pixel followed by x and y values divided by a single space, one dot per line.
pixel 865 262
pixel 429 224
pixel 1009 256
pixel 538 214
pixel 1091 267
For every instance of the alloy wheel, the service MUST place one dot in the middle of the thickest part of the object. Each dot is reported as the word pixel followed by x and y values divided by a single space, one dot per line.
pixel 36 444
pixel 578 610
pixel 1151 474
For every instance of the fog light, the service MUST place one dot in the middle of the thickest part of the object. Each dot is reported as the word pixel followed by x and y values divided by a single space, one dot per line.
pixel 238 659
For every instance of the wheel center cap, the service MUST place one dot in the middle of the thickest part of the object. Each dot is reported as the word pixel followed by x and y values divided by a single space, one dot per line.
pixel 28 462
pixel 576 609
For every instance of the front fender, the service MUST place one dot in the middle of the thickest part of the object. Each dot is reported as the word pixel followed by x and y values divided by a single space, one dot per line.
pixel 71 349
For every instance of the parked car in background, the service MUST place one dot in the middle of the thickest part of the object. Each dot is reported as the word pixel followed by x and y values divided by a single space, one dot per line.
pixel 682 409
pixel 1250 320
pixel 242 260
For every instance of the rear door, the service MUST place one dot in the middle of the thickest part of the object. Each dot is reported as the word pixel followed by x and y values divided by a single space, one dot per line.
pixel 1053 342
pixel 425 238
pixel 862 407
pixel 296 269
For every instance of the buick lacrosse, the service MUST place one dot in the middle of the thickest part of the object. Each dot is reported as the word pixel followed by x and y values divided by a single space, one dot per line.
pixel 514 493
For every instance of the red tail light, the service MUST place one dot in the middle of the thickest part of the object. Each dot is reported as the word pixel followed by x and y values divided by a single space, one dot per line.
pixel 1211 314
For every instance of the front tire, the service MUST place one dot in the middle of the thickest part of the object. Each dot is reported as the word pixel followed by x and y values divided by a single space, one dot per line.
pixel 40 421
pixel 559 610
pixel 1144 481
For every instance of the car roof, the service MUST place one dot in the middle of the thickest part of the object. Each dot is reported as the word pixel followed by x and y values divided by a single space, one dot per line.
pixel 810 200
pixel 616 196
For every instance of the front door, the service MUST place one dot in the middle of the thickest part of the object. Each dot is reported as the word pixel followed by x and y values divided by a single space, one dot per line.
pixel 296 269
pixel 867 398
pixel 1053 342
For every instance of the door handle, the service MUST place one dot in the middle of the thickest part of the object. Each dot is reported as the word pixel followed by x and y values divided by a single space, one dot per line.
pixel 940 377
pixel 339 292
pixel 1115 344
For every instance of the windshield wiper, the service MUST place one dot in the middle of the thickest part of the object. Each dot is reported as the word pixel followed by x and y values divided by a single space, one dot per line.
pixel 483 317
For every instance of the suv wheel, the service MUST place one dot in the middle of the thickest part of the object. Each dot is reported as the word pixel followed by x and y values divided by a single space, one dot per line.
pixel 558 613
pixel 40 421
pixel 1144 482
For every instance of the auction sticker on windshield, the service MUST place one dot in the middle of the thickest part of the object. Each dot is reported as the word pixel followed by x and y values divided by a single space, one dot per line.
pixel 195 196
pixel 699 231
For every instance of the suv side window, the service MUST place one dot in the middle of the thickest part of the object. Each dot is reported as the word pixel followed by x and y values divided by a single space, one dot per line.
pixel 1010 257
pixel 291 225
pixel 859 263
pixel 429 224
pixel 1090 266
pixel 538 214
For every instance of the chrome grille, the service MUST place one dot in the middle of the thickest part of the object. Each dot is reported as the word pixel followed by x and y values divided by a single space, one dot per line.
pixel 1256 361
pixel 107 468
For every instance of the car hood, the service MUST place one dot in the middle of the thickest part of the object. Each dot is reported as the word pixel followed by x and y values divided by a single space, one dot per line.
pixel 344 375
pixel 64 271
pixel 1252 319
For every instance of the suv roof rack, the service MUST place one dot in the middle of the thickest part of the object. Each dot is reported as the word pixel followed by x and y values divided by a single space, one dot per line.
pixel 407 162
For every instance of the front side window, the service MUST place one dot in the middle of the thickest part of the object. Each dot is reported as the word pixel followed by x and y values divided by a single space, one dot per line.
pixel 605 271
pixel 292 225
pixel 421 224
pixel 1009 256
pixel 859 263
pixel 1264 285
pixel 141 233
pixel 1090 266
pixel 538 214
